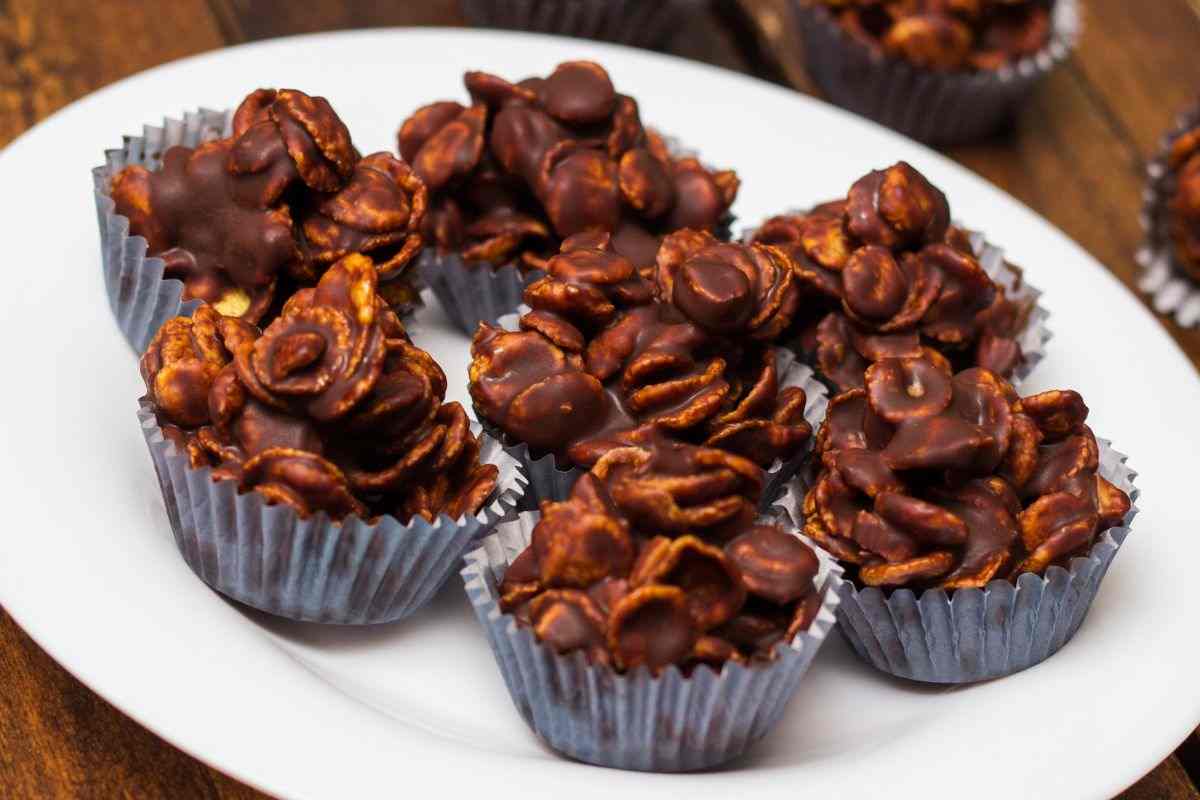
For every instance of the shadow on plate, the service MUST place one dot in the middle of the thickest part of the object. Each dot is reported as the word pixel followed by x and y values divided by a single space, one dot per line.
pixel 448 607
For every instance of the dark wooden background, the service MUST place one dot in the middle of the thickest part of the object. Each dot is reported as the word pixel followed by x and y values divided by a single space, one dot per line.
pixel 1077 156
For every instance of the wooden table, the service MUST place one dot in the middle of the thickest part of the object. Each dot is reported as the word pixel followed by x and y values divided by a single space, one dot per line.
pixel 1077 156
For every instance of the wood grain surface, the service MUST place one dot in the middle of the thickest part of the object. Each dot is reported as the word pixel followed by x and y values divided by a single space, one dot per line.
pixel 1076 155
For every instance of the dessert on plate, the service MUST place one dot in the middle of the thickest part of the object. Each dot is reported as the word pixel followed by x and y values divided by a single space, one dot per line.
pixel 311 466
pixel 525 165
pixel 653 589
pixel 884 273
pixel 243 220
pixel 605 350
pixel 1001 511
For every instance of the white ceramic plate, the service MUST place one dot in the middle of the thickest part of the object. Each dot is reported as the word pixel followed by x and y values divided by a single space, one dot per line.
pixel 88 566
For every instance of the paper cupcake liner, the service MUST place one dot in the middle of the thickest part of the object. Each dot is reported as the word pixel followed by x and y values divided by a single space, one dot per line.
pixel 140 297
pixel 970 635
pixel 1033 334
pixel 1171 290
pixel 315 569
pixel 548 481
pixel 552 479
pixel 474 292
pixel 641 23
pixel 669 723
pixel 934 107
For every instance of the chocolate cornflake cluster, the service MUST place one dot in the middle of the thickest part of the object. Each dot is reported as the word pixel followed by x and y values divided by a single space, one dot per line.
pixel 598 355
pixel 528 164
pixel 947 35
pixel 728 289
pixel 890 277
pixel 243 221
pixel 1183 209
pixel 663 486
pixel 934 479
pixel 328 408
pixel 656 559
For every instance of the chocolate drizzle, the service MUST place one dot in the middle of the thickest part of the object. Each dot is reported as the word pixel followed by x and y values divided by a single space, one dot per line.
pixel 933 479
pixel 243 220
pixel 227 253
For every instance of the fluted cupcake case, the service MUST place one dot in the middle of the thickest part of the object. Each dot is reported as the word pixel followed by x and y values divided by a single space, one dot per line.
pixel 350 572
pixel 1034 334
pixel 970 635
pixel 548 480
pixel 668 723
pixel 935 107
pixel 140 297
pixel 1171 290
pixel 641 23
pixel 473 292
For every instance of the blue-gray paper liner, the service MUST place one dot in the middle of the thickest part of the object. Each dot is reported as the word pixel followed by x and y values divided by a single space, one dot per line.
pixel 551 480
pixel 351 572
pixel 1034 333
pixel 935 107
pixel 641 23
pixel 1171 291
pixel 664 723
pixel 140 297
pixel 970 635
pixel 470 293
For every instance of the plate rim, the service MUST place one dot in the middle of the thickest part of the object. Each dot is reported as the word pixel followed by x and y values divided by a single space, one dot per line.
pixel 57 648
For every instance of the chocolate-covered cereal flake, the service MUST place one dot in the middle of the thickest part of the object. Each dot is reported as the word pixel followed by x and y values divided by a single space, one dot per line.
pixel 316 140
pixel 379 212
pixel 727 288
pixel 666 487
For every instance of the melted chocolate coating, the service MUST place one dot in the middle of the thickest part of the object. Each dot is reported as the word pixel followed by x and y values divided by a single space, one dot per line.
pixel 934 479
pixel 227 253
pixel 600 577
pixel 574 158
pixel 279 201
pixel 329 408
pixel 884 274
